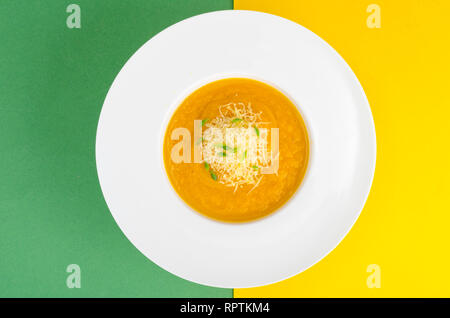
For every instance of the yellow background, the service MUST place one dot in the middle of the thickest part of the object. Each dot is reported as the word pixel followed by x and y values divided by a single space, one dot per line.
pixel 405 226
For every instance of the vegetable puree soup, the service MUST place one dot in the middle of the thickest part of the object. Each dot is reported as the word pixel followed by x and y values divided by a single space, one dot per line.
pixel 236 150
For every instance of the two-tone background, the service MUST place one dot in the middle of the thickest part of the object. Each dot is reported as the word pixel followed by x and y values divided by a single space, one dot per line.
pixel 53 81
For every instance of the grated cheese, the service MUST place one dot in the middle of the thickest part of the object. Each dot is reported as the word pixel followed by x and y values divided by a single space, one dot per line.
pixel 235 146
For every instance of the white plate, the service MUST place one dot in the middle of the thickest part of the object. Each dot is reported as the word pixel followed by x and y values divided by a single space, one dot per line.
pixel 170 66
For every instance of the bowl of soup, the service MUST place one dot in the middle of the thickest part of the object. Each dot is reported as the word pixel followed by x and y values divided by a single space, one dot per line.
pixel 235 149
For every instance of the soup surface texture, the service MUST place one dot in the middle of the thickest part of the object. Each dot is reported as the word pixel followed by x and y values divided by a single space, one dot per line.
pixel 241 175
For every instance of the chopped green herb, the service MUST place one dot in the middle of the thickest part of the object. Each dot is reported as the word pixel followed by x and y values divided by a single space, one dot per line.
pixel 225 147
pixel 204 121
pixel 221 154
pixel 235 149
pixel 206 165
pixel 236 120
pixel 244 155
pixel 213 176
pixel 255 167
pixel 256 130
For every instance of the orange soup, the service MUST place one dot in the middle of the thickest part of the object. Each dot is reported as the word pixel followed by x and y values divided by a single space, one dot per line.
pixel 236 150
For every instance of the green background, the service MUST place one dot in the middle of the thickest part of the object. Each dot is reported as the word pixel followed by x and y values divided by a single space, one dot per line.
pixel 53 81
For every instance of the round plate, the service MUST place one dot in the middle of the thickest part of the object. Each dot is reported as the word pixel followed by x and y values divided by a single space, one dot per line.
pixel 228 44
